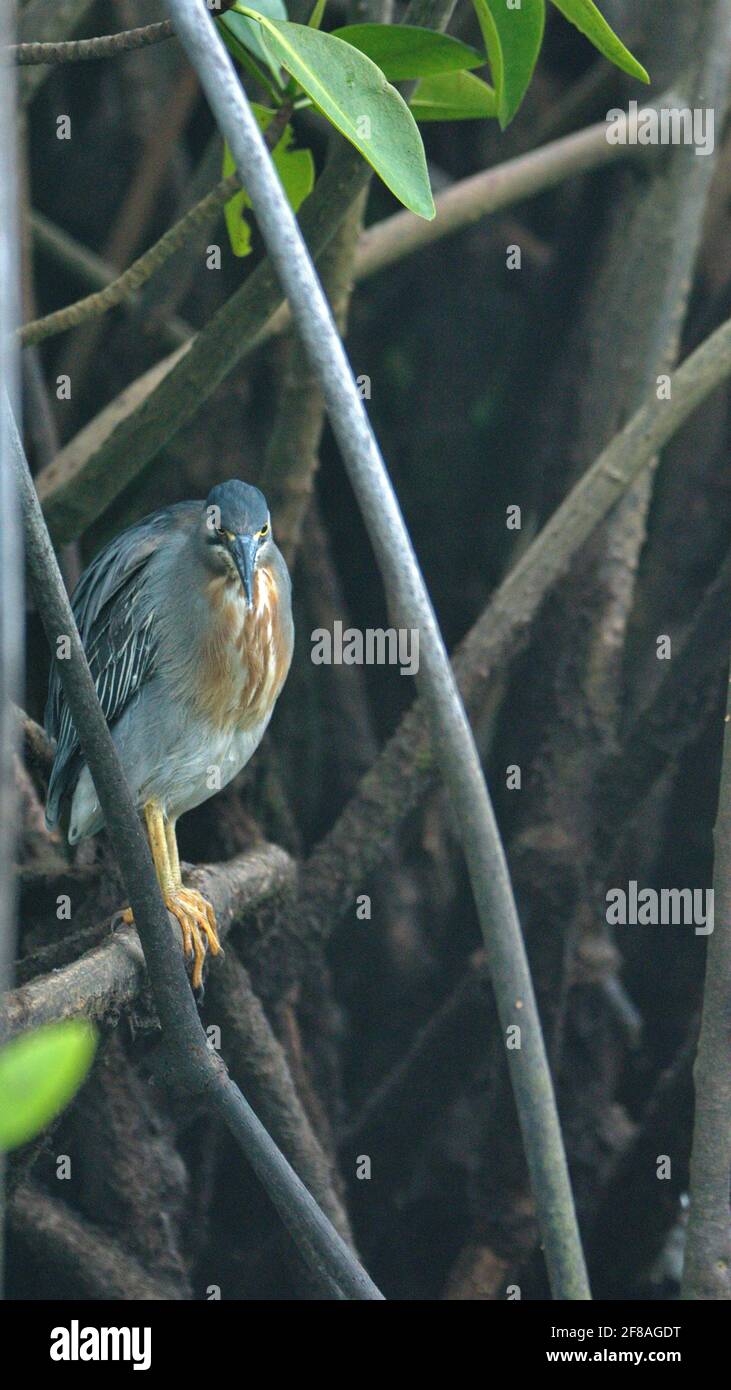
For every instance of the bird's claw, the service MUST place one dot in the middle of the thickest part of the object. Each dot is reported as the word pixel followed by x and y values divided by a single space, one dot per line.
pixel 203 935
pixel 197 921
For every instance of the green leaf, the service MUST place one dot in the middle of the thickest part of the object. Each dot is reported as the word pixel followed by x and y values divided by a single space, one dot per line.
pixel 513 39
pixel 296 169
pixel 405 50
pixel 453 96
pixel 315 19
pixel 588 20
pixel 356 97
pixel 39 1073
pixel 247 32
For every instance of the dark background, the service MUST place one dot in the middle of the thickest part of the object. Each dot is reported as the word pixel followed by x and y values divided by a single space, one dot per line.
pixel 490 387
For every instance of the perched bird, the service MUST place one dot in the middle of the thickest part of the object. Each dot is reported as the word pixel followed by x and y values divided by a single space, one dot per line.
pixel 186 619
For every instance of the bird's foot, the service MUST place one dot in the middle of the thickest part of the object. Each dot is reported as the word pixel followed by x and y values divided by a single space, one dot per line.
pixel 197 922
pixel 198 925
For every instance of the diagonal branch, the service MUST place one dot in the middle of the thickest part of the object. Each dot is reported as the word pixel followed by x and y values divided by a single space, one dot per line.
pixel 92 270
pixel 93 306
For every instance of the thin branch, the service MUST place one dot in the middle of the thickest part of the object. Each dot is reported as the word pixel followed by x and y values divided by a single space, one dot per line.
pixel 136 275
pixel 707 1273
pixel 93 306
pixel 410 605
pixel 192 1065
pixel 102 46
pixel 95 272
pixel 84 50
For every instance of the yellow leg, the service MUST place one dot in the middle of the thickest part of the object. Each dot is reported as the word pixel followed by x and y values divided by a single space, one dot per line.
pixel 155 823
pixel 193 912
pixel 198 906
pixel 173 855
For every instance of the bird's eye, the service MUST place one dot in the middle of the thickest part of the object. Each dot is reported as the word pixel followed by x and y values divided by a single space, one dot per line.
pixel 264 531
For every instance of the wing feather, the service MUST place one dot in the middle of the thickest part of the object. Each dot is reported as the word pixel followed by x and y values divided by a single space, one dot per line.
pixel 116 619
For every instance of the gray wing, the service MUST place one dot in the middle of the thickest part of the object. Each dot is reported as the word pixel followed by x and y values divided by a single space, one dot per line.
pixel 117 624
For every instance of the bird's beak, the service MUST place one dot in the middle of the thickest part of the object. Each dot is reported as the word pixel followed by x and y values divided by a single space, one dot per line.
pixel 243 549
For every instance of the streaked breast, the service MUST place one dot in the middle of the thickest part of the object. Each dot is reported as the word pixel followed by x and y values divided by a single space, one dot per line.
pixel 245 655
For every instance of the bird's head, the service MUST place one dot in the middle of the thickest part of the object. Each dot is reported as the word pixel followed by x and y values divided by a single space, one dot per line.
pixel 237 531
